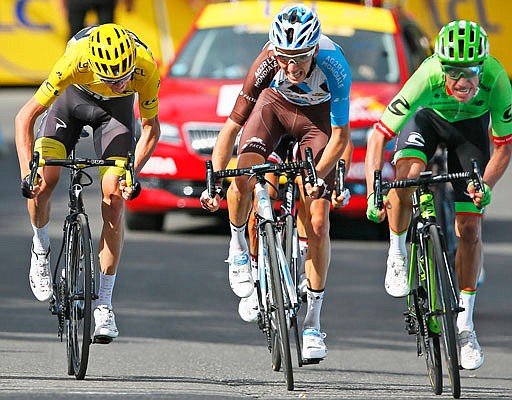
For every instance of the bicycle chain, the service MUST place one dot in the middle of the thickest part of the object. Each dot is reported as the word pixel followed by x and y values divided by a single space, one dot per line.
pixel 62 311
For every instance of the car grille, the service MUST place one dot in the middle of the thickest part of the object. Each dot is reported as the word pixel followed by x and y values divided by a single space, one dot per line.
pixel 202 137
pixel 180 188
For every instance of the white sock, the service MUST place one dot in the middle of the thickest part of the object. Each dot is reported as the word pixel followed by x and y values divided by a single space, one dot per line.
pixel 105 290
pixel 303 247
pixel 397 243
pixel 41 240
pixel 315 300
pixel 467 299
pixel 238 243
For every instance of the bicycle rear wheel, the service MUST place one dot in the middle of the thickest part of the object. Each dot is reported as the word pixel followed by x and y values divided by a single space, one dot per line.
pixel 79 270
pixel 446 309
pixel 428 340
pixel 278 315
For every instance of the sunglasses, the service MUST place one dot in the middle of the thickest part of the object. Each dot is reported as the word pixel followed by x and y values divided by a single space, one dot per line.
pixel 294 58
pixel 116 81
pixel 468 72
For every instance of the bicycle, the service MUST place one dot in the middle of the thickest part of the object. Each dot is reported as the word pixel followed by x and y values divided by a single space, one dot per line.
pixel 277 285
pixel 74 281
pixel 433 302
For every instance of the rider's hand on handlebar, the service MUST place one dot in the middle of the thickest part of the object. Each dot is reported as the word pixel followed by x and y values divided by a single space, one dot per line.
pixel 316 191
pixel 479 199
pixel 340 200
pixel 374 214
pixel 25 187
pixel 127 192
pixel 211 204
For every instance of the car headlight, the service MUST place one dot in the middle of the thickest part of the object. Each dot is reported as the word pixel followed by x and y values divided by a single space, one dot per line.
pixel 169 133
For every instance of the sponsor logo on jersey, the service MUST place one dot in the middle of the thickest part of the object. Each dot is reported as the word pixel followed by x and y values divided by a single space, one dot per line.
pixel 149 104
pixel 83 67
pixel 398 105
pixel 59 124
pixel 51 89
pixel 265 68
pixel 337 70
pixel 255 143
pixel 139 71
pixel 415 139
pixel 507 115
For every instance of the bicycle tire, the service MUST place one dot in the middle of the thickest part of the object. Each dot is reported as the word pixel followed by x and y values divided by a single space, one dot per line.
pixel 445 217
pixel 276 354
pixel 291 240
pixel 447 306
pixel 79 272
pixel 288 238
pixel 429 341
pixel 279 313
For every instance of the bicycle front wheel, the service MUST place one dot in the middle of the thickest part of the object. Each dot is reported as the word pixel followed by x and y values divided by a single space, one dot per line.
pixel 279 321
pixel 428 339
pixel 79 270
pixel 292 253
pixel 446 309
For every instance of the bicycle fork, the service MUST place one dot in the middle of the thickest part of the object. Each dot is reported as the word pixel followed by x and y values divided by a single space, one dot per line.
pixel 265 216
pixel 421 318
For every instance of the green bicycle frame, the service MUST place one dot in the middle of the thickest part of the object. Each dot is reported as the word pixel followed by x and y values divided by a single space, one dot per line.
pixel 426 277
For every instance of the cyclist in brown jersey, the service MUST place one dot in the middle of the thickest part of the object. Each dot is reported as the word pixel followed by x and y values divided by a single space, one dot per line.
pixel 299 85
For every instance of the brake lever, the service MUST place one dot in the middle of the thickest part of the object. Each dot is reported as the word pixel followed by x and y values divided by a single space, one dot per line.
pixel 377 190
pixel 340 177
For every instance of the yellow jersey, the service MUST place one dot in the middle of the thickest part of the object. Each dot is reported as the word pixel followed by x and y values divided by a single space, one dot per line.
pixel 73 69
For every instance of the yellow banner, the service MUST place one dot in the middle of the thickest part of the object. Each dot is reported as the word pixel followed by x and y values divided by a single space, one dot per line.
pixel 33 33
pixel 493 15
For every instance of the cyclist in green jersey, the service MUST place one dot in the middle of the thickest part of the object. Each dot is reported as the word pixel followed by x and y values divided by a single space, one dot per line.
pixel 451 99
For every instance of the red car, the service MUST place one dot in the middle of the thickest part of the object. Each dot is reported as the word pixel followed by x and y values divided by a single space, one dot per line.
pixel 382 46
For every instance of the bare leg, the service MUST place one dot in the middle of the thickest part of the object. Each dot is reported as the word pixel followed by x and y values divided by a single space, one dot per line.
pixel 112 234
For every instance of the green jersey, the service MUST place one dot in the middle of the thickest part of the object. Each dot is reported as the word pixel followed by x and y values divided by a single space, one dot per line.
pixel 427 88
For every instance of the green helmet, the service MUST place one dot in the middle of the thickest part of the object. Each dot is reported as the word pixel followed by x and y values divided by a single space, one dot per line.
pixel 462 42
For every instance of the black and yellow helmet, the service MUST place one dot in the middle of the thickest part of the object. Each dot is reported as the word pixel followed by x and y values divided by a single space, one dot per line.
pixel 111 52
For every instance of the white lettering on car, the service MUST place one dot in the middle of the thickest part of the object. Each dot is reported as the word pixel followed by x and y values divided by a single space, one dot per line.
pixel 160 166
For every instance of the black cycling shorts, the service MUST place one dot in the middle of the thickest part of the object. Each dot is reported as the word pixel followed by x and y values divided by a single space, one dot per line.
pixel 464 140
pixel 112 121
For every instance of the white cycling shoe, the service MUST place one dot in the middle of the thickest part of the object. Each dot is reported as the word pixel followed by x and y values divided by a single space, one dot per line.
pixel 396 282
pixel 471 354
pixel 105 325
pixel 40 275
pixel 248 308
pixel 313 345
pixel 240 276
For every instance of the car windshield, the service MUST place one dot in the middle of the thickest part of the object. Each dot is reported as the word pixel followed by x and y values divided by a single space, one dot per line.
pixel 227 53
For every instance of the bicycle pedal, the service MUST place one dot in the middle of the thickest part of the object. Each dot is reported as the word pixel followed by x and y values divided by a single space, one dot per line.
pixel 102 339
pixel 309 361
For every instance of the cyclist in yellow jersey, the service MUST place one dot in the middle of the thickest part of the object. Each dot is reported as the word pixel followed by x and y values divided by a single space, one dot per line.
pixel 93 83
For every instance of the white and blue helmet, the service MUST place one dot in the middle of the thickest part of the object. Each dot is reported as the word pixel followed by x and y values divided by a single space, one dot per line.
pixel 295 28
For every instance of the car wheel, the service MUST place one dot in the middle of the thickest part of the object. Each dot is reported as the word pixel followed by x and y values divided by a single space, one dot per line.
pixel 144 221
